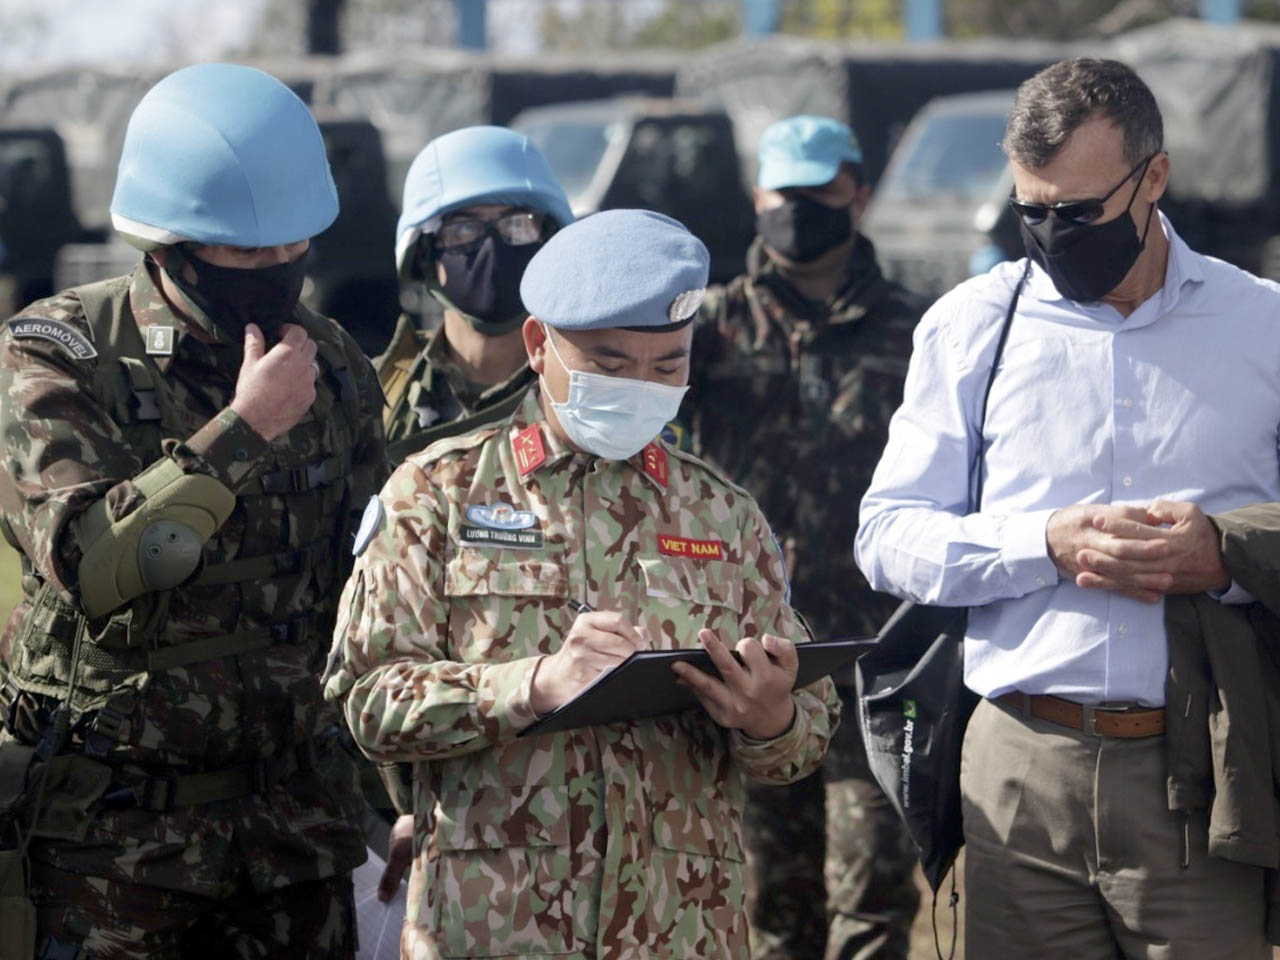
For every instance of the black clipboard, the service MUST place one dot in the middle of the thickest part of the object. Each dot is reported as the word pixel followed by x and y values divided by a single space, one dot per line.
pixel 644 684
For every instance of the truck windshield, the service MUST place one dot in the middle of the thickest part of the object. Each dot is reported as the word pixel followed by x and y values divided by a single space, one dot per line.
pixel 951 156
pixel 26 169
pixel 572 148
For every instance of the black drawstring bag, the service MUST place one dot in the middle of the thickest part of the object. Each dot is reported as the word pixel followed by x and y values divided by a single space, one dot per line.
pixel 913 705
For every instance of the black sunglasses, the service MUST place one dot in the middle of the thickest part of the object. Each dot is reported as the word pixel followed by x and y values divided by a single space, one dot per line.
pixel 1076 211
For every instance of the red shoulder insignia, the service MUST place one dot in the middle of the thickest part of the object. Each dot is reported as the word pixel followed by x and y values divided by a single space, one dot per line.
pixel 527 446
pixel 655 463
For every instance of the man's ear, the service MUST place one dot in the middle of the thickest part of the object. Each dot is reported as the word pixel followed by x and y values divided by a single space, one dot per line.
pixel 1156 180
pixel 861 197
pixel 535 344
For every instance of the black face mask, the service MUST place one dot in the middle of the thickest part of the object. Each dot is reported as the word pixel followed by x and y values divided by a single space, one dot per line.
pixel 1086 261
pixel 802 229
pixel 234 297
pixel 483 284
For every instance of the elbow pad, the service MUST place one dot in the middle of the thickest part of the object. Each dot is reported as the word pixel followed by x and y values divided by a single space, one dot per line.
pixel 157 546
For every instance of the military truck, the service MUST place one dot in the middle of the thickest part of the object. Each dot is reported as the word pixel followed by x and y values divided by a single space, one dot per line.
pixel 36 217
pixel 56 182
pixel 934 215
pixel 876 88
pixel 416 94
pixel 940 212
pixel 659 154
pixel 376 110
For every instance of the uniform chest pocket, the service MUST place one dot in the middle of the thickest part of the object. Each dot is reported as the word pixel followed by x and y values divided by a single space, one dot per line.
pixel 503 884
pixel 680 596
pixel 500 603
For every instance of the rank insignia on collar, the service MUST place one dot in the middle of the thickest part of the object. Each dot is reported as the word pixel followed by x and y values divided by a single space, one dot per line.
pixel 160 341
pixel 528 449
pixel 655 463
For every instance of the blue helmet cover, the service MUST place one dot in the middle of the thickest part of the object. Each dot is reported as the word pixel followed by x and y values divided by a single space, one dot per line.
pixel 222 154
pixel 472 166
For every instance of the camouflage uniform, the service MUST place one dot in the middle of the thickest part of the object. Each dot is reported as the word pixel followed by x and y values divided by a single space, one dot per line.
pixel 427 393
pixel 619 841
pixel 428 398
pixel 216 812
pixel 792 399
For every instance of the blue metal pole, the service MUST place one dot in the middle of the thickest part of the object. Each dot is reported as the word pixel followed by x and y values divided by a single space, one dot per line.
pixel 923 19
pixel 1220 11
pixel 761 17
pixel 472 26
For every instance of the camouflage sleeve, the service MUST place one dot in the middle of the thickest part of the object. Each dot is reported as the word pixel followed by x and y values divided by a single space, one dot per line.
pixel 767 609
pixel 63 451
pixel 405 699
pixel 226 448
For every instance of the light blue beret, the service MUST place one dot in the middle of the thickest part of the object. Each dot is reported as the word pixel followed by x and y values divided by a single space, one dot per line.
pixel 618 268
pixel 804 151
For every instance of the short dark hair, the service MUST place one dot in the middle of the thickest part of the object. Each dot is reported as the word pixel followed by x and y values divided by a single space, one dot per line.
pixel 1051 105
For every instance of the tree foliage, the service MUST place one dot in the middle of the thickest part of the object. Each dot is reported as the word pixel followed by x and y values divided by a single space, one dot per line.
pixel 620 25
pixel 843 19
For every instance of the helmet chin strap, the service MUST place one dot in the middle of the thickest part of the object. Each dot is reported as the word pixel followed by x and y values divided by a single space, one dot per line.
pixel 485 327
pixel 176 257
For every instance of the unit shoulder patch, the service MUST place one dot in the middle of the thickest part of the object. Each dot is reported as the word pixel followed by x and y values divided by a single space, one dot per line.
pixel 63 334
pixel 370 524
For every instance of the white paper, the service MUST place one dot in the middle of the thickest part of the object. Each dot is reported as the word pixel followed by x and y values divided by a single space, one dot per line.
pixel 378 923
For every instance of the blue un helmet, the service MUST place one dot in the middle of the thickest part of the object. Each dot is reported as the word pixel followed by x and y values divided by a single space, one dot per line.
pixel 222 154
pixel 472 166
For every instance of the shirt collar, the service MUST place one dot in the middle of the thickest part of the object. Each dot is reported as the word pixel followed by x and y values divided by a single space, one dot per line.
pixel 434 362
pixel 1183 267
pixel 651 462
pixel 151 309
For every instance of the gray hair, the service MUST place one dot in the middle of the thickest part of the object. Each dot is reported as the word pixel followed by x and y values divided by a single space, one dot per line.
pixel 1051 105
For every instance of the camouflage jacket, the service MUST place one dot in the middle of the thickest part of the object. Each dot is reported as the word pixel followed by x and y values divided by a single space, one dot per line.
pixel 426 392
pixel 618 841
pixel 81 427
pixel 792 399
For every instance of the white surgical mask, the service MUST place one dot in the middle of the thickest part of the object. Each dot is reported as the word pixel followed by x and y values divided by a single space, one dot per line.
pixel 613 417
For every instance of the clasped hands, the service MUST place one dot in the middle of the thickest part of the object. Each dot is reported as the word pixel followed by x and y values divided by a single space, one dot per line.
pixel 1140 552
pixel 753 696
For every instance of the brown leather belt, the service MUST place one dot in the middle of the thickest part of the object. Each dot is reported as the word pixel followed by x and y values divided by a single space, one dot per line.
pixel 1099 721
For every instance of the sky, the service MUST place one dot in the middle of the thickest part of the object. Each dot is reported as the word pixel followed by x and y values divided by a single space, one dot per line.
pixel 37 34
pixel 43 33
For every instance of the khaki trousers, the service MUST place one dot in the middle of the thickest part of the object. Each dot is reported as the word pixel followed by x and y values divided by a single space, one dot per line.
pixel 1071 851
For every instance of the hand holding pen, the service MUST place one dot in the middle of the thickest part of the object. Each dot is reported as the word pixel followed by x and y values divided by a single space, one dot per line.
pixel 597 641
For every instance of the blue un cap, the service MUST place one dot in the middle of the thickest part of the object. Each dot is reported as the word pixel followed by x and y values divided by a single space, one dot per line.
pixel 619 268
pixel 804 152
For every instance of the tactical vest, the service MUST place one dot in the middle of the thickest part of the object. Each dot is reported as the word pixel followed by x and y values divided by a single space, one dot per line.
pixel 129 647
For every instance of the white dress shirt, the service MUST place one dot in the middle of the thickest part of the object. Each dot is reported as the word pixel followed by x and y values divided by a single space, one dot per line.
pixel 1180 400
